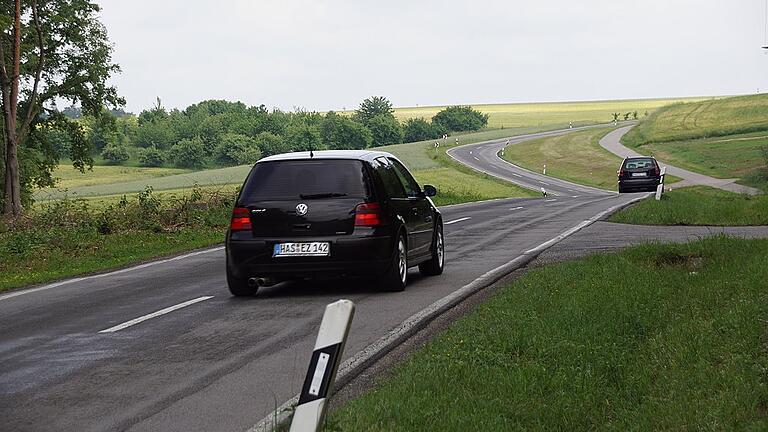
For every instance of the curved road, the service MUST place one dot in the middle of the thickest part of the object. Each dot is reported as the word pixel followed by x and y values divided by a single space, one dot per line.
pixel 196 359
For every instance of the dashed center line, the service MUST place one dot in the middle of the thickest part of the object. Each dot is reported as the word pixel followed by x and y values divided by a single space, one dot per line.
pixel 476 158
pixel 551 200
pixel 575 196
pixel 516 208
pixel 154 314
pixel 516 175
pixel 457 220
pixel 544 183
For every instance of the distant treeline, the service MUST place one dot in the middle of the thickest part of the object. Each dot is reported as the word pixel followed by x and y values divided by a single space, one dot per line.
pixel 222 133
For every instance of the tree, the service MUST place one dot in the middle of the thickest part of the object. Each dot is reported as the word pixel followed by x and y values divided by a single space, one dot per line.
pixel 237 149
pixel 271 144
pixel 50 50
pixel 342 133
pixel 156 133
pixel 188 153
pixel 102 129
pixel 460 118
pixel 300 136
pixel 418 129
pixel 115 153
pixel 634 115
pixel 372 107
pixel 386 130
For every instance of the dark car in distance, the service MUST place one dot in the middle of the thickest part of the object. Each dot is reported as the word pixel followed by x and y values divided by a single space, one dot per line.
pixel 332 214
pixel 639 174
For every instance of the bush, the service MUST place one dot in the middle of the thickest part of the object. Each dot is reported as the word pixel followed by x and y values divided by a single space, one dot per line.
pixel 420 130
pixel 385 130
pixel 155 134
pixel 115 154
pixel 188 153
pixel 460 118
pixel 237 149
pixel 151 157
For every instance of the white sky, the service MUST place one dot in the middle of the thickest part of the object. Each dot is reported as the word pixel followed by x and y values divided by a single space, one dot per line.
pixel 324 54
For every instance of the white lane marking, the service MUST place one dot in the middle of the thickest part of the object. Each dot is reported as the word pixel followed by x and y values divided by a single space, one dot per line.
pixel 470 152
pixel 575 196
pixel 551 200
pixel 476 158
pixel 516 208
pixel 544 183
pixel 154 314
pixel 516 175
pixel 457 220
pixel 112 273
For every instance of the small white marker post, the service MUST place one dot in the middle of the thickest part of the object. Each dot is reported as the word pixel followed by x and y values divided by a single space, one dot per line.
pixel 318 384
pixel 660 187
pixel 545 169
pixel 543 192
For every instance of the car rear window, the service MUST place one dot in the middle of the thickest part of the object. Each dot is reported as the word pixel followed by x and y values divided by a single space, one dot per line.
pixel 639 163
pixel 305 179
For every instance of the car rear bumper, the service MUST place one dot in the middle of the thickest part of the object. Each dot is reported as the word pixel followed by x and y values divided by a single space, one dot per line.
pixel 648 183
pixel 368 256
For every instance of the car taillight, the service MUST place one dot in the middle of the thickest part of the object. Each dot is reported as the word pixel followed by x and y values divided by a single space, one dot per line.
pixel 622 172
pixel 368 214
pixel 657 171
pixel 241 219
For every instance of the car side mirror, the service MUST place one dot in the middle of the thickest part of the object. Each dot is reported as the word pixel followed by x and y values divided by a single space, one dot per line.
pixel 430 190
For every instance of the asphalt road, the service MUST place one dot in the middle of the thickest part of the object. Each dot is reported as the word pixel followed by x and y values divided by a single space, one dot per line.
pixel 223 363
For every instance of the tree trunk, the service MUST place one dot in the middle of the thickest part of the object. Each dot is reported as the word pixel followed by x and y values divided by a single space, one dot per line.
pixel 12 192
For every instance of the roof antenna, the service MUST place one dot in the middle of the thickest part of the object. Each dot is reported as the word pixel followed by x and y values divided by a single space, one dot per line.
pixel 311 153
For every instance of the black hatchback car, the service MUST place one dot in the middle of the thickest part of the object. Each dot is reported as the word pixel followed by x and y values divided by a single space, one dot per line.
pixel 332 214
pixel 639 174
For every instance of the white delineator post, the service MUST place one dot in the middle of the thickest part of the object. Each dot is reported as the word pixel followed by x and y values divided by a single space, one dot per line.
pixel 545 169
pixel 318 384
pixel 660 187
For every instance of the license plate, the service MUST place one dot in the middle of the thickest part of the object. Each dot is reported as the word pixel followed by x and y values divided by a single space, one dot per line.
pixel 639 174
pixel 302 249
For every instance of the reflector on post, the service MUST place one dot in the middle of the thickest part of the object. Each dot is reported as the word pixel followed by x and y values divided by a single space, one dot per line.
pixel 318 384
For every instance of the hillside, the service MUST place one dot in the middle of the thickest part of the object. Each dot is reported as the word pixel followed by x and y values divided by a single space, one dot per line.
pixel 703 119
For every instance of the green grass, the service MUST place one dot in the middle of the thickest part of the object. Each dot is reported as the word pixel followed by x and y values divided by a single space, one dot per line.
pixel 221 176
pixel 657 337
pixel 455 187
pixel 556 113
pixel 704 119
pixel 575 157
pixel 697 205
pixel 68 177
pixel 734 156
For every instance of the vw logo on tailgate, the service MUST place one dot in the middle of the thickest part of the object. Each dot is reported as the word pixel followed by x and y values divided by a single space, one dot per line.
pixel 301 209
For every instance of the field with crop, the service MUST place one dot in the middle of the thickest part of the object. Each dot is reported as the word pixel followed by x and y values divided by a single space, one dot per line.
pixel 554 114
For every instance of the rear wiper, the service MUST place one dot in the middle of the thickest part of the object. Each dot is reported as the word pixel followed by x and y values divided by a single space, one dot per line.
pixel 322 195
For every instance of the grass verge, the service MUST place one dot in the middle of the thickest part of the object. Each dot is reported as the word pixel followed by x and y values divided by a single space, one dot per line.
pixel 66 238
pixel 657 337
pixel 699 205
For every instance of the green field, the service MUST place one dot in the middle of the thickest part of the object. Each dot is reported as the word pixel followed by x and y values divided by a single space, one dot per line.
pixel 68 177
pixel 576 157
pixel 550 114
pixel 656 337
pixel 703 119
pixel 698 205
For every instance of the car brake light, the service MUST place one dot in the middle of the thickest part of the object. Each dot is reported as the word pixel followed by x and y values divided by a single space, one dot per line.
pixel 368 214
pixel 656 171
pixel 622 172
pixel 241 219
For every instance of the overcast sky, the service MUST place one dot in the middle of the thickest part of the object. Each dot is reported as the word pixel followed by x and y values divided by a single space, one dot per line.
pixel 322 55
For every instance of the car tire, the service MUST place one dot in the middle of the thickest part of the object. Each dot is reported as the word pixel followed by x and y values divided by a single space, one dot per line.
pixel 239 287
pixel 434 266
pixel 622 190
pixel 396 277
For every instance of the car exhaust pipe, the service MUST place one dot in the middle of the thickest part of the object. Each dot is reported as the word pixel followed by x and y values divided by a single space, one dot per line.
pixel 261 282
